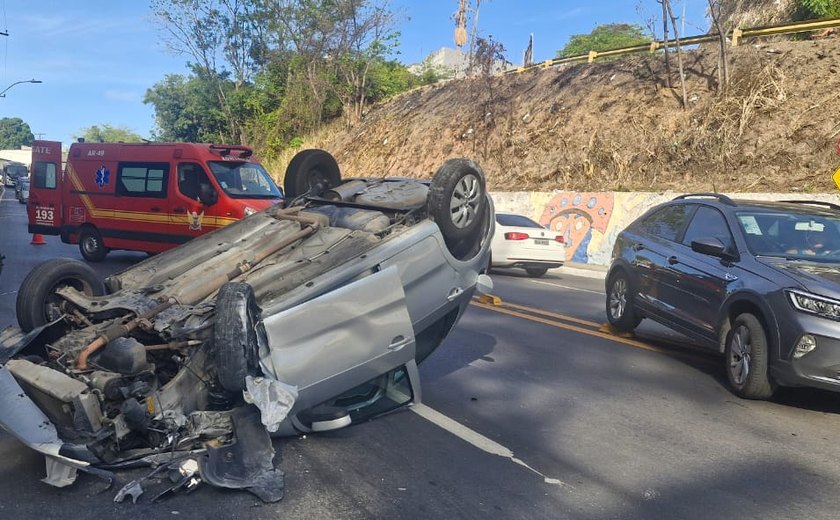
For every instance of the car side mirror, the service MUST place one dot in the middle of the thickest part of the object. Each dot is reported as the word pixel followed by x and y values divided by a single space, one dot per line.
pixel 207 195
pixel 713 247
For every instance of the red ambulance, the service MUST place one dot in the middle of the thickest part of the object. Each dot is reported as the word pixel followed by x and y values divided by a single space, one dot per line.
pixel 142 197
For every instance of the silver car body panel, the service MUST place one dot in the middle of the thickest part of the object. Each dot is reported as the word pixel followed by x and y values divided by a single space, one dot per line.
pixel 341 339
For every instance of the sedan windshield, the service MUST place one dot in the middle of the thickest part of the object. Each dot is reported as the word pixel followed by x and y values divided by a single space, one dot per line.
pixel 244 180
pixel 795 235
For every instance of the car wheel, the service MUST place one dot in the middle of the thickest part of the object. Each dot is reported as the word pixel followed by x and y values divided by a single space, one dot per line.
pixel 311 172
pixel 536 272
pixel 37 304
pixel 457 203
pixel 747 358
pixel 237 335
pixel 91 246
pixel 621 312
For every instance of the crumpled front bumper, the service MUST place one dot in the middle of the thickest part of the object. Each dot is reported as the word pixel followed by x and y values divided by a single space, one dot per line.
pixel 23 419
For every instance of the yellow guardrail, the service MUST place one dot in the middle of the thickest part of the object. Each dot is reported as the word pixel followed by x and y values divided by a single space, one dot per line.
pixel 653 46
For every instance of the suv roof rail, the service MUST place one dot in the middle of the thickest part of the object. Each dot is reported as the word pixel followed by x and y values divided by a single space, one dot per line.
pixel 814 203
pixel 723 198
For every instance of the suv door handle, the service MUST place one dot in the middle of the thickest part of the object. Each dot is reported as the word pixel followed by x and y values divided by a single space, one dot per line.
pixel 179 210
pixel 154 208
pixel 673 260
pixel 638 247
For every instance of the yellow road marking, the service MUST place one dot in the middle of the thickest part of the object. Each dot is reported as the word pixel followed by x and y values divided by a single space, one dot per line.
pixel 552 323
pixel 552 314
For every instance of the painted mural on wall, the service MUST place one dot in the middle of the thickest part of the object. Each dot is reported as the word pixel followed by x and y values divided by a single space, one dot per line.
pixel 577 216
pixel 591 221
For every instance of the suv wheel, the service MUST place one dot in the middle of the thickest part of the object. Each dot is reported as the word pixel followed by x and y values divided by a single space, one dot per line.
pixel 746 359
pixel 621 313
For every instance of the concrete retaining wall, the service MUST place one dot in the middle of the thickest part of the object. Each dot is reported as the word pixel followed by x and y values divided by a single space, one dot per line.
pixel 590 221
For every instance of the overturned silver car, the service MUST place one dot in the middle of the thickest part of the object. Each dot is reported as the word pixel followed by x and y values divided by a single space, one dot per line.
pixel 305 317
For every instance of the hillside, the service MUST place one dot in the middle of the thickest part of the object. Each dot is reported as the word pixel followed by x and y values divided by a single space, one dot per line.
pixel 613 126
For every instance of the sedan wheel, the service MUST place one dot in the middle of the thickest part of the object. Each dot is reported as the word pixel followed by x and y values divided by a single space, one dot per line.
pixel 747 358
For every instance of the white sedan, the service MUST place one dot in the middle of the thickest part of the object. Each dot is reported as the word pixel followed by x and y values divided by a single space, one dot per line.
pixel 521 242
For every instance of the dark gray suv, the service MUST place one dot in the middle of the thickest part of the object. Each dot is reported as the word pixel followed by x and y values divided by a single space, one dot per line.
pixel 759 281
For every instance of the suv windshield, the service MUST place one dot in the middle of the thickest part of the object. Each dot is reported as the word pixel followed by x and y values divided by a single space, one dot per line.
pixel 244 180
pixel 795 235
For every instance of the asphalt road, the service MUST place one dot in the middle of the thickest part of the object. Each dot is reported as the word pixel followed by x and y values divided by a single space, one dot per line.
pixel 528 412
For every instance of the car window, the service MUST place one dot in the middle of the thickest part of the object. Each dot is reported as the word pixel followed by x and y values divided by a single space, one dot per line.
pixel 44 175
pixel 516 220
pixel 791 234
pixel 139 179
pixel 244 180
pixel 667 222
pixel 707 223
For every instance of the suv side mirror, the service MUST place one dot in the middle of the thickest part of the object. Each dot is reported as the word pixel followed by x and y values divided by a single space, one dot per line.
pixel 713 247
pixel 207 195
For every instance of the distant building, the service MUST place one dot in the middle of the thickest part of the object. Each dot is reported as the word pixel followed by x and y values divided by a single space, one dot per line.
pixel 23 156
pixel 450 64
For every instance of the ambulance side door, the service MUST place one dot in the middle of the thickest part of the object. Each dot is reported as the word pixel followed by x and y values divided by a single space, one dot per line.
pixel 142 204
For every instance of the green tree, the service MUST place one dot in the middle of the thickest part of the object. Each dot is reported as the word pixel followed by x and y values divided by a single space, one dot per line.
pixel 603 38
pixel 820 8
pixel 187 110
pixel 14 133
pixel 106 133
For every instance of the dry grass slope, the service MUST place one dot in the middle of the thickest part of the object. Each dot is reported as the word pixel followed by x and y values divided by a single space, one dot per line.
pixel 613 126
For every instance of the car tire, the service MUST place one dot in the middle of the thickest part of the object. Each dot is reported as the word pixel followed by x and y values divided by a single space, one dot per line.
pixel 311 172
pixel 536 272
pixel 37 303
pixel 237 335
pixel 90 244
pixel 747 357
pixel 458 204
pixel 621 311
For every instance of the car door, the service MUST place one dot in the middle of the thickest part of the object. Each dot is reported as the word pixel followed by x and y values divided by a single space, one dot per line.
pixel 341 339
pixel 653 241
pixel 44 206
pixel 190 215
pixel 702 280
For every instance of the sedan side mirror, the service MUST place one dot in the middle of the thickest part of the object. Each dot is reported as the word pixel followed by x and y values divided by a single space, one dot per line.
pixel 713 247
pixel 207 195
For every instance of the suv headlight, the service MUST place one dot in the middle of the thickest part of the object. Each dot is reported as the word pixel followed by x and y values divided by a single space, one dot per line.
pixel 813 304
pixel 249 211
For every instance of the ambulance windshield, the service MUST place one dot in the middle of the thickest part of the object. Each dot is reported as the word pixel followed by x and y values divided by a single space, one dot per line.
pixel 244 180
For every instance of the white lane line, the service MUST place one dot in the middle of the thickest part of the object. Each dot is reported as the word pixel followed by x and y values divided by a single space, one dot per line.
pixel 476 439
pixel 7 293
pixel 567 287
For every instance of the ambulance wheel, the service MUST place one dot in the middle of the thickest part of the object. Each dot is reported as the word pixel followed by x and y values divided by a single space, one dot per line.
pixel 91 246
pixel 311 172
pixel 37 304
pixel 458 205
pixel 237 335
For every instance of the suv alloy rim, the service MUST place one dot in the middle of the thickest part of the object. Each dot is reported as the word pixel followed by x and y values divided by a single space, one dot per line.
pixel 740 355
pixel 618 298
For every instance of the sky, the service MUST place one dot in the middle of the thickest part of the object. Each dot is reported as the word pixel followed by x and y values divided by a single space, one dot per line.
pixel 97 58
